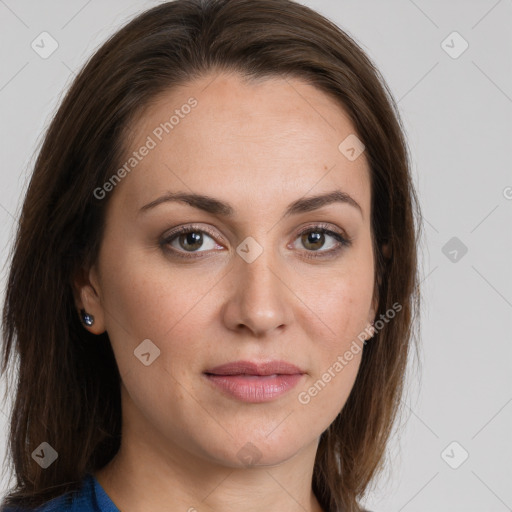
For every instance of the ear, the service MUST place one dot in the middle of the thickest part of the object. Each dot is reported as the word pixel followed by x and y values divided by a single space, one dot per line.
pixel 370 329
pixel 386 251
pixel 374 306
pixel 87 295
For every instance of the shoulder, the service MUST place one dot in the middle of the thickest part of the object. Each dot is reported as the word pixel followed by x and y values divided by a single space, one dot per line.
pixel 60 504
pixel 82 500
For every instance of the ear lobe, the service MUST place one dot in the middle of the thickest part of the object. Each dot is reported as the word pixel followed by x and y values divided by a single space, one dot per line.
pixel 386 250
pixel 86 292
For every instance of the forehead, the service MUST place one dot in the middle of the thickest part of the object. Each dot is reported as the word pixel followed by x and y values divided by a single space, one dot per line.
pixel 271 140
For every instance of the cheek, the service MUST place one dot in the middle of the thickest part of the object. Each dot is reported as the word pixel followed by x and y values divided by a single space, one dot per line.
pixel 341 307
pixel 339 304
pixel 337 354
pixel 343 319
pixel 147 298
pixel 340 316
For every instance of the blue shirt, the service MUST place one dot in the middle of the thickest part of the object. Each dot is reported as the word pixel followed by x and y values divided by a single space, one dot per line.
pixel 91 497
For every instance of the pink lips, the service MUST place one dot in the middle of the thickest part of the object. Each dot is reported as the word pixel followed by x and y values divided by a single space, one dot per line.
pixel 255 382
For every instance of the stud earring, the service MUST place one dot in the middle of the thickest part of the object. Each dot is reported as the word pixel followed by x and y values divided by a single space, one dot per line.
pixel 87 319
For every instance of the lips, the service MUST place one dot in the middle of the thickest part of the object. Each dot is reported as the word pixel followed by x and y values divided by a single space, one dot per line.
pixel 253 368
pixel 253 382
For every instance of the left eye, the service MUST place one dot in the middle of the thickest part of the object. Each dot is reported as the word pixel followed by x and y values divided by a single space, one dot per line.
pixel 314 239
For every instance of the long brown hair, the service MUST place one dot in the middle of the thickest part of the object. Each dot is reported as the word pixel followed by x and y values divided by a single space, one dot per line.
pixel 68 384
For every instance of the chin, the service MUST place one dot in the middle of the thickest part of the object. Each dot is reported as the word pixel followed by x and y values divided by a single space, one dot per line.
pixel 254 453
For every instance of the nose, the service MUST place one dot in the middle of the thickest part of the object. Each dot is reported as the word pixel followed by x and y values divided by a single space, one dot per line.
pixel 260 299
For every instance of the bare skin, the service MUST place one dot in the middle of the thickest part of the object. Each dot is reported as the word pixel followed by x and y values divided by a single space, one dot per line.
pixel 258 147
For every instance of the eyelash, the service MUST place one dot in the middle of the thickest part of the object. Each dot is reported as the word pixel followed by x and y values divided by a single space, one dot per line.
pixel 343 240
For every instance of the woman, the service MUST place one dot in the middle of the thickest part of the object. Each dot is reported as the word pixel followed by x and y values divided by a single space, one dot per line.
pixel 214 281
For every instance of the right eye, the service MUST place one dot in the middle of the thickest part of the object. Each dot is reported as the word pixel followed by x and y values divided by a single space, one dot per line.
pixel 189 239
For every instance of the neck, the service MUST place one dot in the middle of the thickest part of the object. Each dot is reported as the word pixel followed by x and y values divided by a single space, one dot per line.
pixel 151 472
pixel 197 486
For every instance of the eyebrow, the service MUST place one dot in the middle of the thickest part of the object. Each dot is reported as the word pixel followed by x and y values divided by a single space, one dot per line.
pixel 216 207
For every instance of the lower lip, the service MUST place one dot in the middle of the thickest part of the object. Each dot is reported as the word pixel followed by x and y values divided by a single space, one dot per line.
pixel 255 388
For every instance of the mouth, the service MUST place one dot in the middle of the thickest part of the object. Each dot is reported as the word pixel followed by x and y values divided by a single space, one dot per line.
pixel 257 369
pixel 254 382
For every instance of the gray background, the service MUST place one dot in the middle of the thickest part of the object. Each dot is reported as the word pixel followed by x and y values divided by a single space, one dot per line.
pixel 457 114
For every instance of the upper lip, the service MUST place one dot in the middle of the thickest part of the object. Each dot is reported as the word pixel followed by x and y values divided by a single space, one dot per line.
pixel 254 368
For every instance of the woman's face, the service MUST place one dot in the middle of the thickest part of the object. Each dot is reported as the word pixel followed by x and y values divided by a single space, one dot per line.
pixel 255 279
